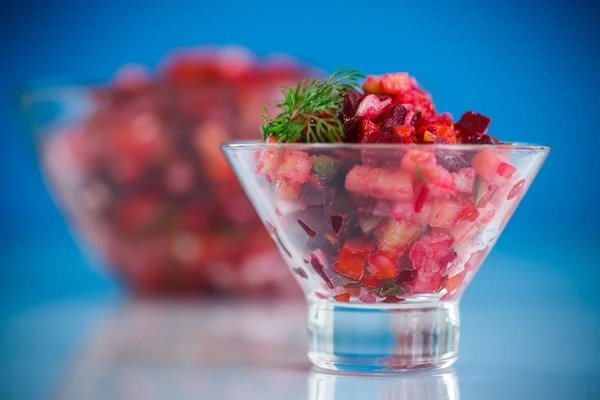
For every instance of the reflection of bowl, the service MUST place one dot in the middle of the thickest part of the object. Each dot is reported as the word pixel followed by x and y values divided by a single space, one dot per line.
pixel 437 385
pixel 174 350
pixel 136 166
pixel 233 350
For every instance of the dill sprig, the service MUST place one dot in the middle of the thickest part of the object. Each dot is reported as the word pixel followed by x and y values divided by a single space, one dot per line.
pixel 310 110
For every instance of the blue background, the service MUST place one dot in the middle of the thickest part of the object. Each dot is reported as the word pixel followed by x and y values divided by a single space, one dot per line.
pixel 532 68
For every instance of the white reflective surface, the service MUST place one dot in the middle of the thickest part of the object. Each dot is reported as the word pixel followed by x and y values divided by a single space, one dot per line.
pixel 256 350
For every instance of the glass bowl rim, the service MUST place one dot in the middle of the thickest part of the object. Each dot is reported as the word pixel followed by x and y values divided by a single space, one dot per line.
pixel 507 146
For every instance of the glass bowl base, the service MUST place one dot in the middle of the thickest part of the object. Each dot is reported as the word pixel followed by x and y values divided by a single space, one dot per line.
pixel 383 338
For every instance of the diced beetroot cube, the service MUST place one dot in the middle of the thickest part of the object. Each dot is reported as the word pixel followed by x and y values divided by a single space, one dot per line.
pixel 352 258
pixel 373 85
pixel 394 237
pixel 406 271
pixel 392 300
pixel 371 107
pixel 385 138
pixel 268 162
pixel 319 261
pixel 414 158
pixel 295 168
pixel 465 180
pixel 452 161
pixel 369 131
pixel 379 183
pixel 395 83
pixel 352 129
pixel 381 266
pixel 336 223
pixel 506 170
pixel 472 124
pixel 312 234
pixel 352 99
pixel 447 213
pixel 393 115
pixel 470 214
pixel 484 139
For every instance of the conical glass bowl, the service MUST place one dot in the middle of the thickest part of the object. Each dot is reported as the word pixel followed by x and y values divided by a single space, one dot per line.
pixel 384 239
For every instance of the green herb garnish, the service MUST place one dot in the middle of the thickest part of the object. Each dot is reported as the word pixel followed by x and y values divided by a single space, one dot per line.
pixel 390 288
pixel 310 110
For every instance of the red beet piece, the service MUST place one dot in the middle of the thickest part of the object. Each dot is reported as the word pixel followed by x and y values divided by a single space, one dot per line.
pixel 352 99
pixel 336 223
pixel 307 229
pixel 472 125
pixel 393 115
pixel 352 127
pixel 452 161
pixel 369 131
pixel 485 139
pixel 319 269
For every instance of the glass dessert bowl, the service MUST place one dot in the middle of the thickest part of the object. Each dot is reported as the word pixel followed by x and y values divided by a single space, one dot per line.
pixel 384 239
pixel 384 216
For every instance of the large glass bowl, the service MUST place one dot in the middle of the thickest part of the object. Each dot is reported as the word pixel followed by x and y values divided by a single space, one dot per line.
pixel 136 167
pixel 384 238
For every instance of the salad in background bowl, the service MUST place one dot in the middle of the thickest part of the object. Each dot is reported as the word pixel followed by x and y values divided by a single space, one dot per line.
pixel 134 164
